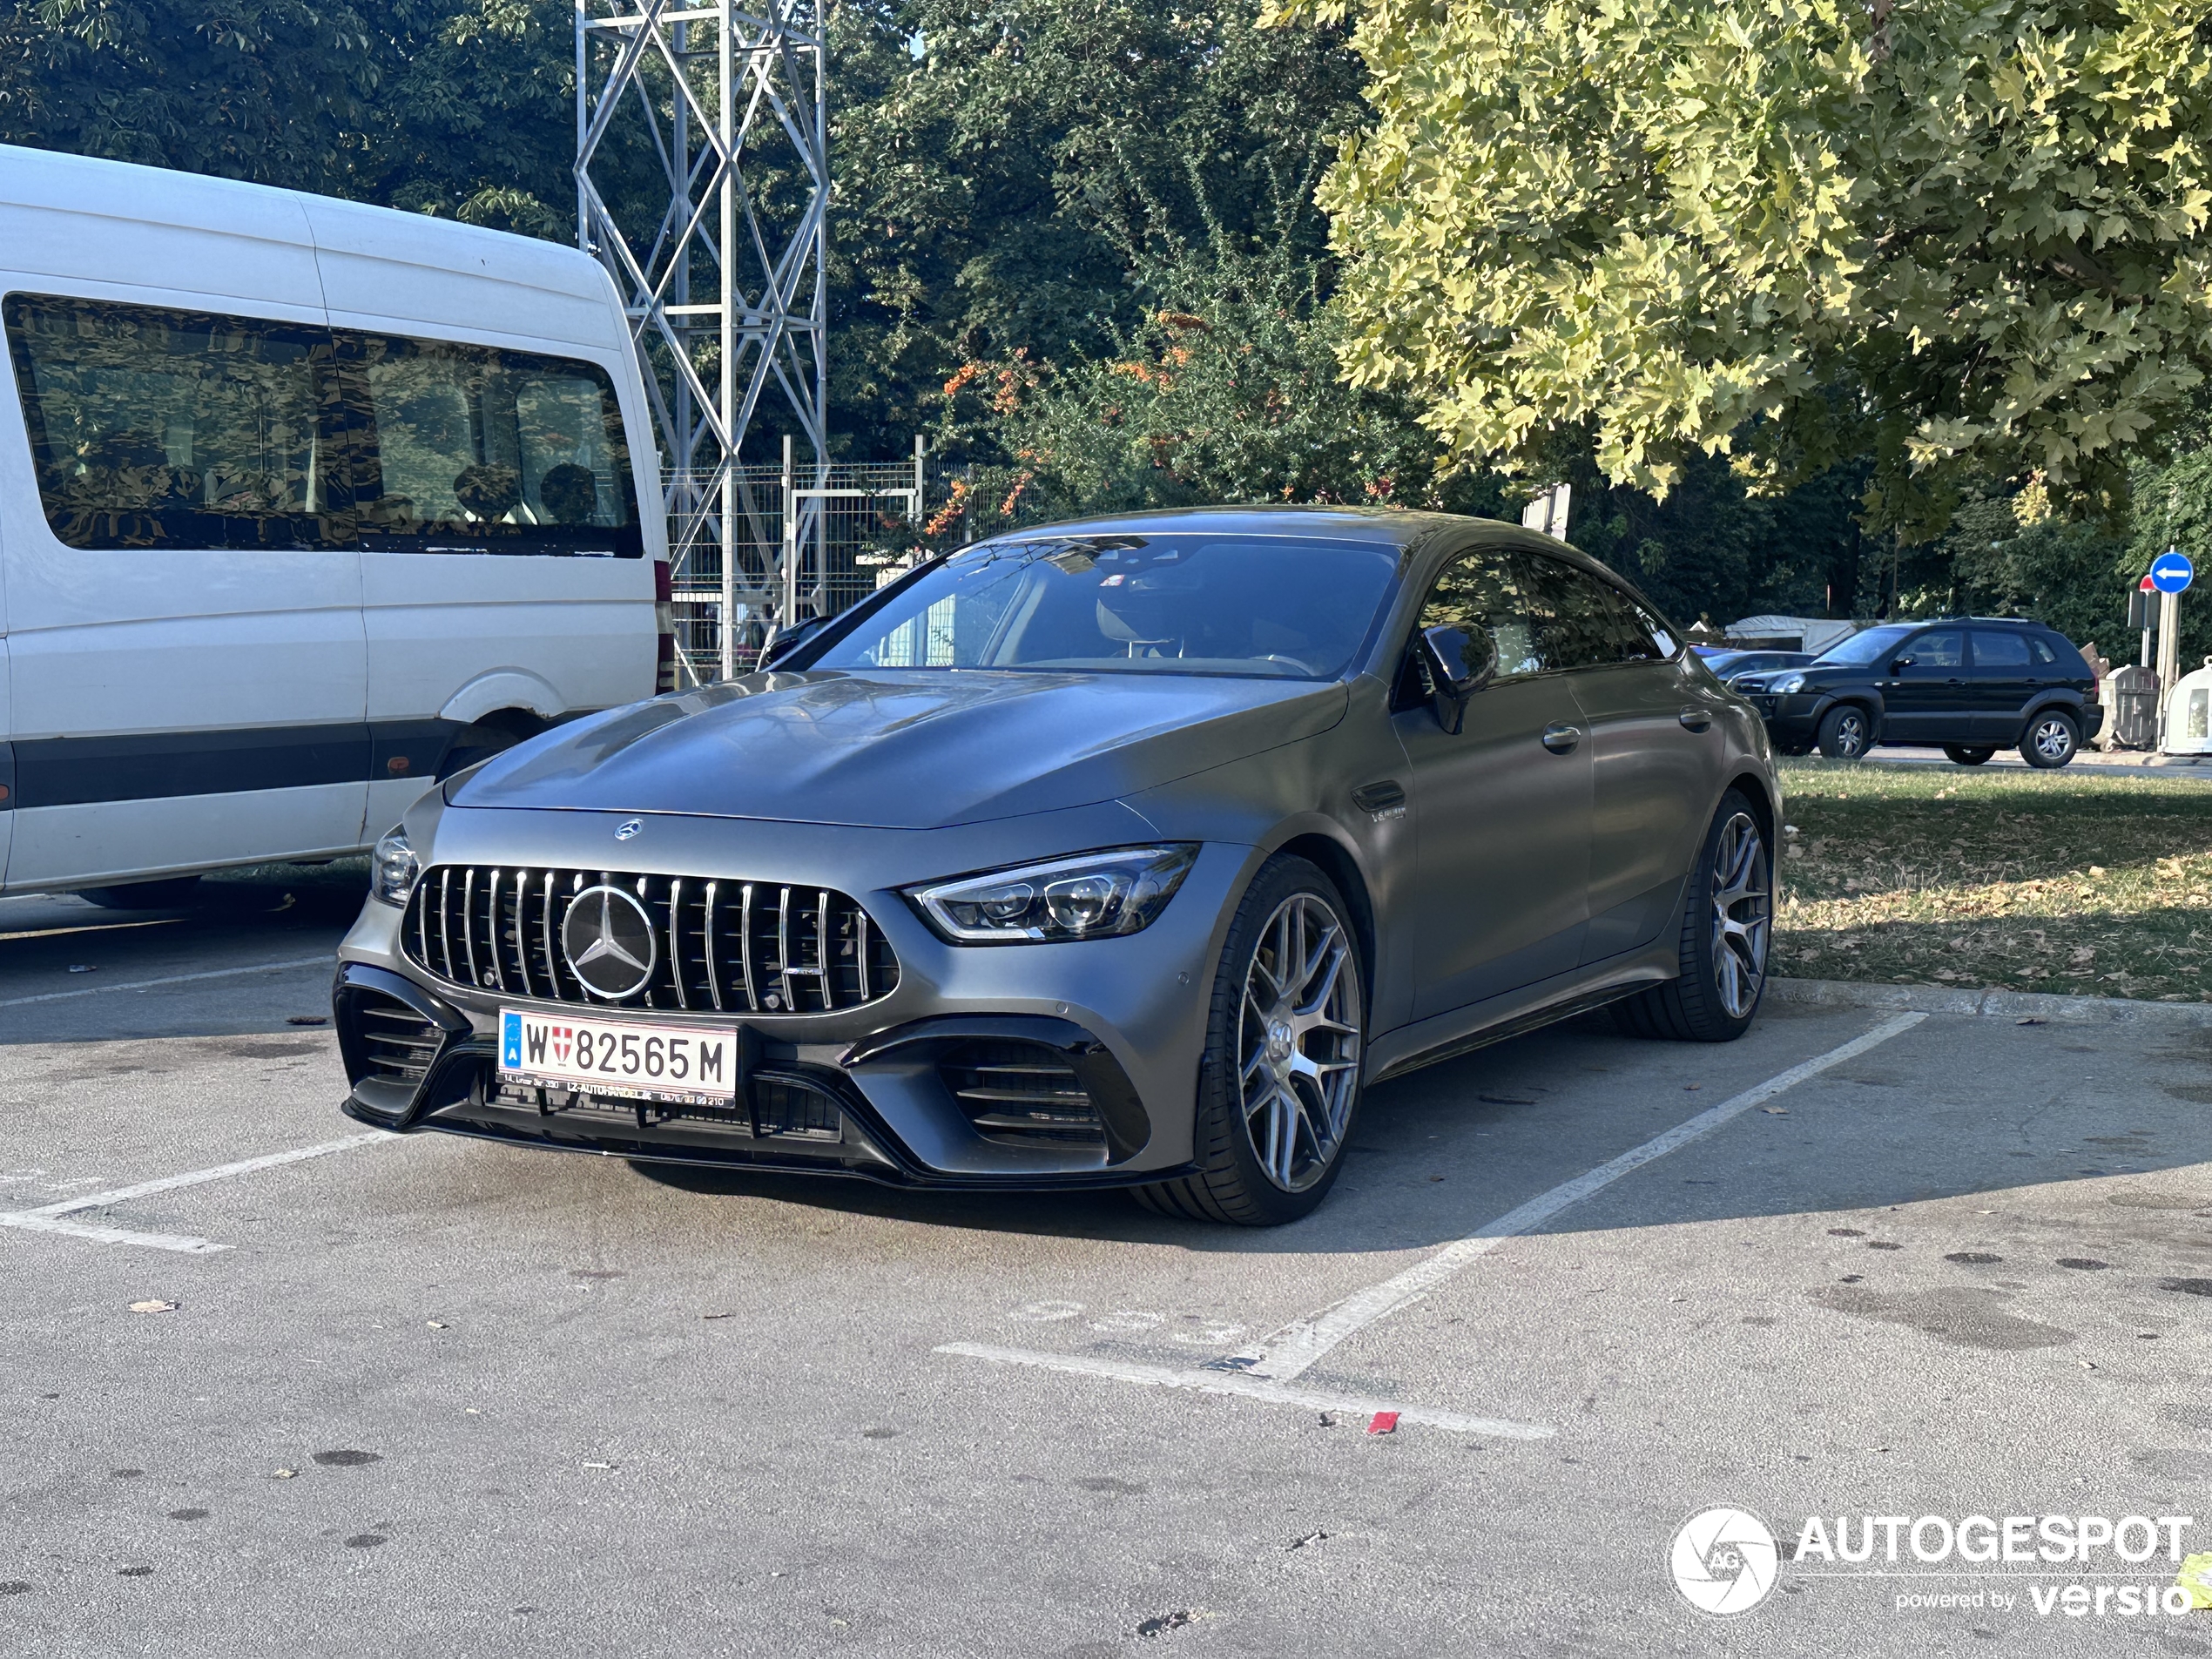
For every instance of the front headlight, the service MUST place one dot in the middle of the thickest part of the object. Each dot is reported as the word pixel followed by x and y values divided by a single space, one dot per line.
pixel 1788 684
pixel 1095 895
pixel 392 868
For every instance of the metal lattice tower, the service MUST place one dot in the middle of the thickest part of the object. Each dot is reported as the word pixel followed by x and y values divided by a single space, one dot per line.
pixel 730 275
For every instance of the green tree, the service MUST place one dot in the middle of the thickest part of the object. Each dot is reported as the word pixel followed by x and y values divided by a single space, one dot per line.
pixel 1005 167
pixel 271 90
pixel 1957 238
pixel 463 108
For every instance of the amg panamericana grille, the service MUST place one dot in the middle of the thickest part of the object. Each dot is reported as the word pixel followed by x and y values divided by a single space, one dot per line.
pixel 722 945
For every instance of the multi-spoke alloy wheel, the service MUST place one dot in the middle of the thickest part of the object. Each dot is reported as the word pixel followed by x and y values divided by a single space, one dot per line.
pixel 2052 740
pixel 1844 733
pixel 1742 907
pixel 1298 1042
pixel 1721 953
pixel 1279 1089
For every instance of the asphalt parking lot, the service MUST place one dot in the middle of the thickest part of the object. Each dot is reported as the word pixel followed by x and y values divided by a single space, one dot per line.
pixel 425 1396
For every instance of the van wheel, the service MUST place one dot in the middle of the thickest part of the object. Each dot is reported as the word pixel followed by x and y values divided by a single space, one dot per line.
pixel 1967 756
pixel 2052 740
pixel 1846 734
pixel 474 743
pixel 172 894
pixel 1278 1088
pixel 1726 922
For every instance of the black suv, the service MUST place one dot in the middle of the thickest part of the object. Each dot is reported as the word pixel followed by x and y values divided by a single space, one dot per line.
pixel 1973 685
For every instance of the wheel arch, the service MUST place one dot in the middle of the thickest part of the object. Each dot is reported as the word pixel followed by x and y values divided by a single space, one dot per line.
pixel 2070 706
pixel 1756 789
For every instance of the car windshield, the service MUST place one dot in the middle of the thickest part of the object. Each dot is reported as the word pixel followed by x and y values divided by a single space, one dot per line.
pixel 1183 603
pixel 1864 647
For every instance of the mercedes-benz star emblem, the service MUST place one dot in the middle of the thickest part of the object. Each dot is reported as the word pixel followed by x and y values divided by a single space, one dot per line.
pixel 628 828
pixel 608 939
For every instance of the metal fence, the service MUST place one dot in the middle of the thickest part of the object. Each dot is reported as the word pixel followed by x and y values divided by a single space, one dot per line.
pixel 801 544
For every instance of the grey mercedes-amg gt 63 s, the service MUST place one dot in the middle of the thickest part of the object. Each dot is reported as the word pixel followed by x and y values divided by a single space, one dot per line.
pixel 1123 853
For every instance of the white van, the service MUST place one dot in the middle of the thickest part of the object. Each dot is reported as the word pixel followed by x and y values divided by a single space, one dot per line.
pixel 303 504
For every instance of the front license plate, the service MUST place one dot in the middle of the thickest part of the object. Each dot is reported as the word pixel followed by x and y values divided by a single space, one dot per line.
pixel 686 1065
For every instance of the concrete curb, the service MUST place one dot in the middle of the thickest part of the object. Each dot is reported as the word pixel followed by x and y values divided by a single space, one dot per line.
pixel 2011 1005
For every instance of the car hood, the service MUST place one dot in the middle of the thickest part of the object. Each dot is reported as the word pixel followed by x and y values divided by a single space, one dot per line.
pixel 914 750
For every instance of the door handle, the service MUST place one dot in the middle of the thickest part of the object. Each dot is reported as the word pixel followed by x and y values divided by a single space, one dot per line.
pixel 1380 800
pixel 1562 739
pixel 1697 719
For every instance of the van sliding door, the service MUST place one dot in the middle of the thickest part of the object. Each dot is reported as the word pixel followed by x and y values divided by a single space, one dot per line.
pixel 187 666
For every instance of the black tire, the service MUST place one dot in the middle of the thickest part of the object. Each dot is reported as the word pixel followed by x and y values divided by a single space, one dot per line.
pixel 1694 1005
pixel 1846 733
pixel 174 894
pixel 473 743
pixel 1966 756
pixel 2052 740
pixel 1232 1183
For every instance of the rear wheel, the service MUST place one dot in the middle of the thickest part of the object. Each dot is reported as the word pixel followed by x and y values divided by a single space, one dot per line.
pixel 172 894
pixel 2051 740
pixel 1724 935
pixel 1846 734
pixel 1965 756
pixel 1278 1086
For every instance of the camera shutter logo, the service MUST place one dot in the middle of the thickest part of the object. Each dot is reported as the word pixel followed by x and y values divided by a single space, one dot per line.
pixel 608 939
pixel 1724 1561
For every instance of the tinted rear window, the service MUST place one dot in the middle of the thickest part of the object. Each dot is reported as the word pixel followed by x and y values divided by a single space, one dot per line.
pixel 152 427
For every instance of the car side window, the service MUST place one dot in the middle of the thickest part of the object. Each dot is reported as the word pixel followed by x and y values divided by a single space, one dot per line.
pixel 1580 622
pixel 1643 637
pixel 2044 657
pixel 2000 651
pixel 1946 648
pixel 1493 592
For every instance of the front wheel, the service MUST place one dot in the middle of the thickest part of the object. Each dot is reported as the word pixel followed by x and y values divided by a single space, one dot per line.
pixel 1279 1086
pixel 1846 734
pixel 1965 756
pixel 2051 741
pixel 1726 924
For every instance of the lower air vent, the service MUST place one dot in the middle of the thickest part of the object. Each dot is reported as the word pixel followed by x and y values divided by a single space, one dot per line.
pixel 397 1044
pixel 787 1109
pixel 1023 1094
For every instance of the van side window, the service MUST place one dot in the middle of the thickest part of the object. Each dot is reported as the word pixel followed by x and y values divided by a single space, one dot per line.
pixel 151 427
pixel 473 448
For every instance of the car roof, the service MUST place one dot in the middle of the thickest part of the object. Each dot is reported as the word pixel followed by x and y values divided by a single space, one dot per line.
pixel 1383 526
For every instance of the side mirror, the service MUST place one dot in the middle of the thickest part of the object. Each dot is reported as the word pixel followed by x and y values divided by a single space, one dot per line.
pixel 1460 663
pixel 1898 664
pixel 786 640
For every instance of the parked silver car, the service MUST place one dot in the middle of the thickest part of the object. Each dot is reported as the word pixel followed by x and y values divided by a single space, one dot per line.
pixel 1123 853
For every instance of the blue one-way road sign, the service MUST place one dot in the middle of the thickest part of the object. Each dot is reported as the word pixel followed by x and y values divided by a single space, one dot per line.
pixel 2172 573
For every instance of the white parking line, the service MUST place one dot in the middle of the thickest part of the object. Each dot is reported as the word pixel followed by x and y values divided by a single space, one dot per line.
pixel 1247 1387
pixel 51 1219
pixel 172 979
pixel 1297 1346
pixel 1263 1374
